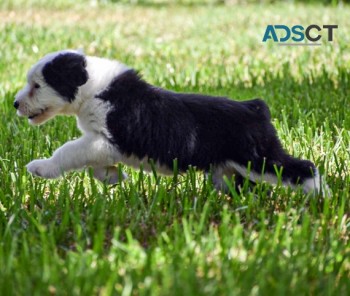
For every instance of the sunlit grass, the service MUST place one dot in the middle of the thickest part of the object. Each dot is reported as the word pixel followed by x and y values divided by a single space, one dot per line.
pixel 178 236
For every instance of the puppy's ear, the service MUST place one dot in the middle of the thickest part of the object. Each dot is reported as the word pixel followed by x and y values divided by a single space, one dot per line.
pixel 65 73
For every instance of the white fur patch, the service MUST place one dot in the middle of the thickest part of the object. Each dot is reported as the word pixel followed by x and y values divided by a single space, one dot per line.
pixel 252 175
pixel 312 184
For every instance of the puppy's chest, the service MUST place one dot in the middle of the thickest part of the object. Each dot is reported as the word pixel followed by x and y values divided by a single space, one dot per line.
pixel 92 119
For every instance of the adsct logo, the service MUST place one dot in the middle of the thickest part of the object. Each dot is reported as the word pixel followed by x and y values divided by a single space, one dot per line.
pixel 295 35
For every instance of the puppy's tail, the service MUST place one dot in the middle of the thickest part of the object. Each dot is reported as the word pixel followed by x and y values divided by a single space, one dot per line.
pixel 259 108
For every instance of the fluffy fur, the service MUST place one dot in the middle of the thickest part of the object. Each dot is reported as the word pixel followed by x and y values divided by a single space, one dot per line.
pixel 125 119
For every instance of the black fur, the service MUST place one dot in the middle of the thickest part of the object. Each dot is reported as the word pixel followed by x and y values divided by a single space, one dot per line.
pixel 66 73
pixel 159 124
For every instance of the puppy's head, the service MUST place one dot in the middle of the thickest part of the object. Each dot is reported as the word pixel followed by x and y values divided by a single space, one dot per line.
pixel 52 86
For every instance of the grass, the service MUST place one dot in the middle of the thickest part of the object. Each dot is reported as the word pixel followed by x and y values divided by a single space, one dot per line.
pixel 154 235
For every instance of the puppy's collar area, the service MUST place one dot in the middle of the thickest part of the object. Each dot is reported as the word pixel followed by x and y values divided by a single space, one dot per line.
pixel 101 73
pixel 74 108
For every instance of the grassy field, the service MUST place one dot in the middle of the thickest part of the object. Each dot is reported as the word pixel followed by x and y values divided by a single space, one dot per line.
pixel 154 235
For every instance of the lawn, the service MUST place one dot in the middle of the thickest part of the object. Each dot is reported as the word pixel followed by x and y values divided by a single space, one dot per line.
pixel 155 235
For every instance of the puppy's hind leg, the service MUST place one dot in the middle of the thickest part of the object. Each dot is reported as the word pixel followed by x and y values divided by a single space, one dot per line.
pixel 111 175
pixel 219 174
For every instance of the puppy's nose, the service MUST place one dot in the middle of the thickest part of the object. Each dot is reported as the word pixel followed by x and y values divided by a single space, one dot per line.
pixel 16 104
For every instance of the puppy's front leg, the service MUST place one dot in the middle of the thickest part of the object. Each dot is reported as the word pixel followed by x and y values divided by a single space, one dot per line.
pixel 74 155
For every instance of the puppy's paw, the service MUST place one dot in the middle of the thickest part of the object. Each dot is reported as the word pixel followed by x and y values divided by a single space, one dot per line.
pixel 44 168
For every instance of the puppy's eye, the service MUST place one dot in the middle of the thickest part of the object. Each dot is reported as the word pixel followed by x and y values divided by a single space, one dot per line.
pixel 36 85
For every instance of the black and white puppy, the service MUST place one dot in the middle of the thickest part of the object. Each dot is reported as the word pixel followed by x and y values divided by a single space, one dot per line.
pixel 125 119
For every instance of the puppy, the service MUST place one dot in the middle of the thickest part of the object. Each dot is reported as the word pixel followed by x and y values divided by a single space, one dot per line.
pixel 125 119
